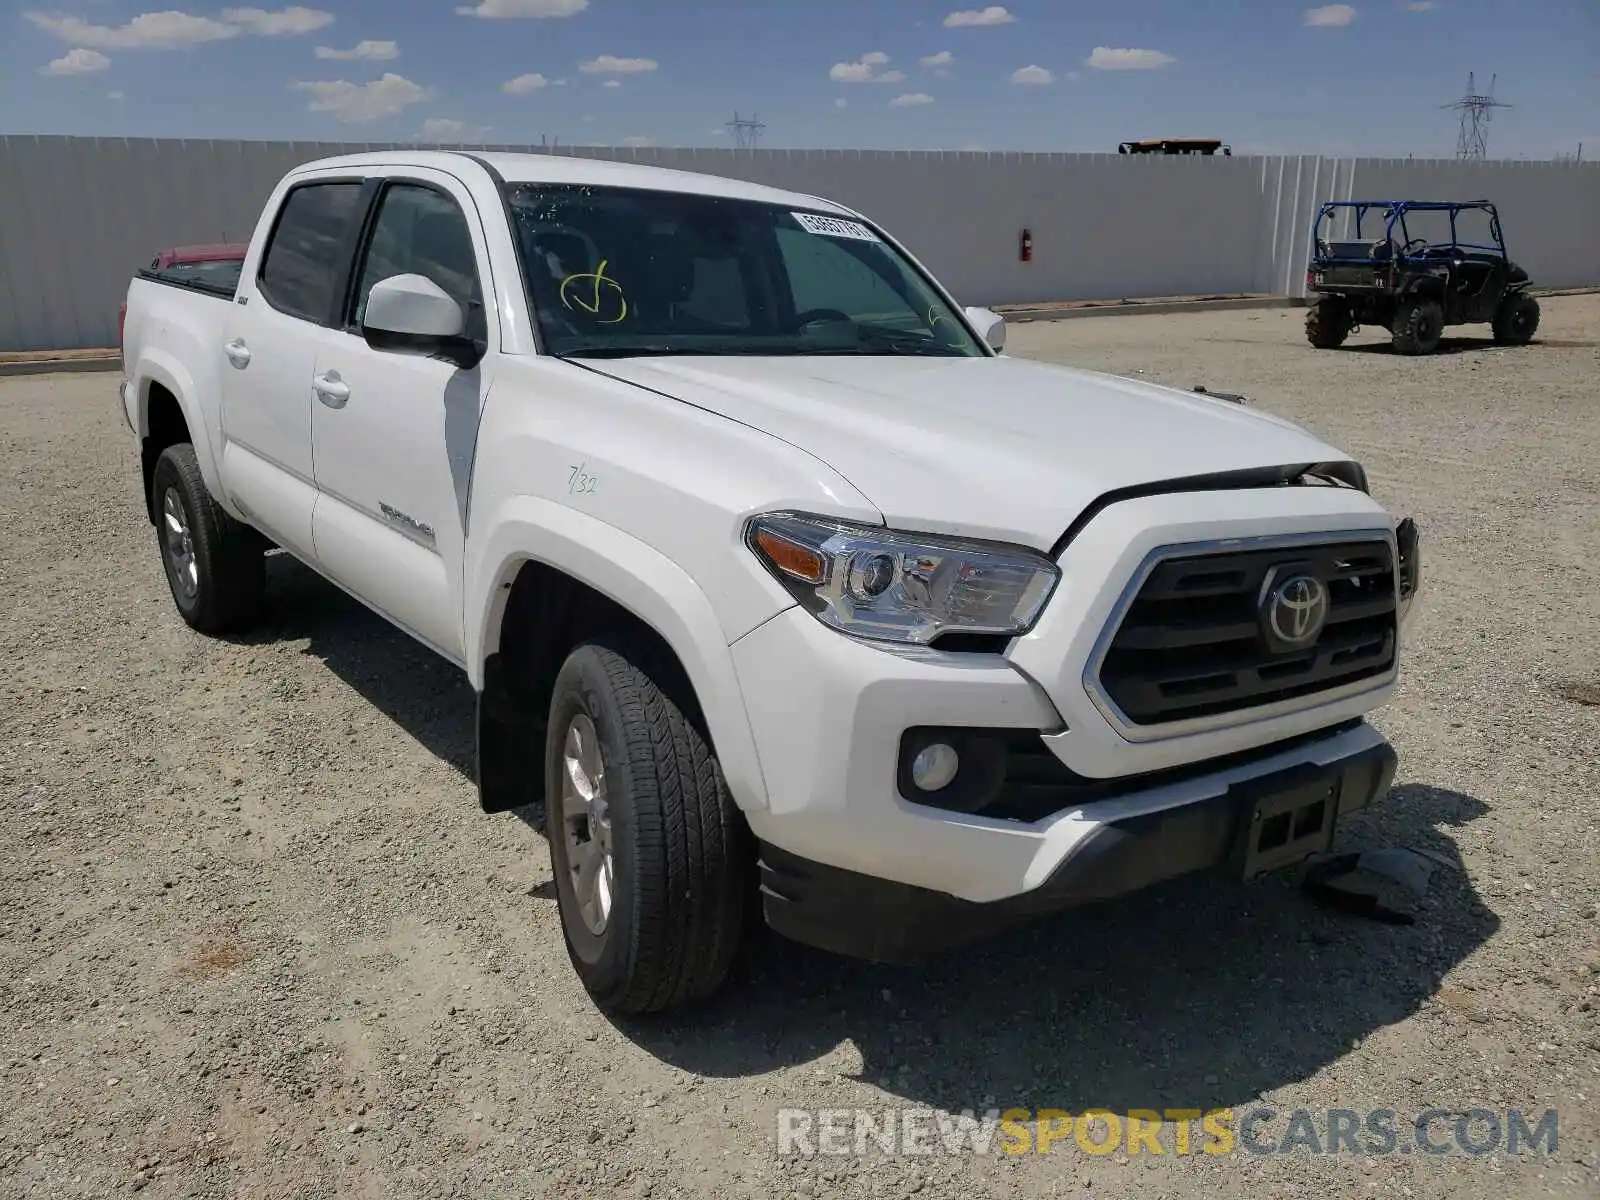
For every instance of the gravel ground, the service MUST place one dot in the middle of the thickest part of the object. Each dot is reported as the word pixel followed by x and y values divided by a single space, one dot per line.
pixel 258 940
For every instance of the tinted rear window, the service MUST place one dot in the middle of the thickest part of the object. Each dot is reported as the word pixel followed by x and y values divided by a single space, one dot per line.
pixel 305 260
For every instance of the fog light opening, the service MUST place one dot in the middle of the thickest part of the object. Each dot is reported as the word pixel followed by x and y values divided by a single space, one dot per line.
pixel 935 766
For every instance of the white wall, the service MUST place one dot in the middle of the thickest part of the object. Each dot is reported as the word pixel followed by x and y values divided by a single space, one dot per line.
pixel 79 215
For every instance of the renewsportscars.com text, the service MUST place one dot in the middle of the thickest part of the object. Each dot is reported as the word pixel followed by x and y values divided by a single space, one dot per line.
pixel 1260 1130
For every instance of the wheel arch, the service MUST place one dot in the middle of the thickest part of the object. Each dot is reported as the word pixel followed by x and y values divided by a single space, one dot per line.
pixel 167 414
pixel 549 577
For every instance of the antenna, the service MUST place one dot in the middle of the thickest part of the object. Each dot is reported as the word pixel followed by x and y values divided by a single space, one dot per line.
pixel 1476 109
pixel 746 131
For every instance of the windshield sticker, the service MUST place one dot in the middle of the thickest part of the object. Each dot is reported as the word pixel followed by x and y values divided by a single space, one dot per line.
pixel 834 227
pixel 594 292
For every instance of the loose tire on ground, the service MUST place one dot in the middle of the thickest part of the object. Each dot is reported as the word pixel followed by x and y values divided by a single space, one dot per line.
pixel 677 849
pixel 1328 323
pixel 1516 320
pixel 213 563
pixel 1418 326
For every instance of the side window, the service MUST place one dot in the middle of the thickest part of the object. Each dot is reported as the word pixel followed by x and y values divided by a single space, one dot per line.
pixel 423 232
pixel 823 274
pixel 304 263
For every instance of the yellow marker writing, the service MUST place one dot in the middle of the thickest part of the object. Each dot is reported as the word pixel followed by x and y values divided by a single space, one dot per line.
pixel 592 306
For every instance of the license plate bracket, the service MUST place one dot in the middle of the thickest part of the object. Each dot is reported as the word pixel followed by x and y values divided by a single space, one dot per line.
pixel 1286 827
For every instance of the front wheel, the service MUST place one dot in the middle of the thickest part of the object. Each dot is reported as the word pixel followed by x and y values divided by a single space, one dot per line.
pixel 1418 326
pixel 1517 320
pixel 649 853
pixel 214 564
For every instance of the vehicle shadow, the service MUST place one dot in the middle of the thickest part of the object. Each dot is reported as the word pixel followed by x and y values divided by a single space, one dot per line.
pixel 1447 345
pixel 416 689
pixel 1202 993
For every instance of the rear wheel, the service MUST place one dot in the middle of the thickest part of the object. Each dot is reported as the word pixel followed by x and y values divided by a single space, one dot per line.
pixel 1517 319
pixel 214 564
pixel 649 852
pixel 1328 323
pixel 1418 326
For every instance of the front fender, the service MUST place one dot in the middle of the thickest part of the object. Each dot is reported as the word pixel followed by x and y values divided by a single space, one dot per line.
pixel 643 581
pixel 159 366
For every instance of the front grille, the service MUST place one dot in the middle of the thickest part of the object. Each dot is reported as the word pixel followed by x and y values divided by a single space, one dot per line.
pixel 1194 644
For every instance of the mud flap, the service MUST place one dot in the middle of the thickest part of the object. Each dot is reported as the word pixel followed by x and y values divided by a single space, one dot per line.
pixel 510 747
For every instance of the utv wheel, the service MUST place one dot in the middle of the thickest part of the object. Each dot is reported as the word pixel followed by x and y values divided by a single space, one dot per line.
pixel 649 852
pixel 1328 323
pixel 214 563
pixel 1517 320
pixel 1418 325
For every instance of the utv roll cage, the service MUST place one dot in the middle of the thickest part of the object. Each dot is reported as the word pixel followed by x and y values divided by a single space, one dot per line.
pixel 1364 247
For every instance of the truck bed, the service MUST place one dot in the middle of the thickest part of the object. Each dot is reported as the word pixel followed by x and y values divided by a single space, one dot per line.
pixel 218 278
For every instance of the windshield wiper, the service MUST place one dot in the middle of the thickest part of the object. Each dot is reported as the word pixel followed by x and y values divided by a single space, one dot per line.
pixel 632 350
pixel 899 341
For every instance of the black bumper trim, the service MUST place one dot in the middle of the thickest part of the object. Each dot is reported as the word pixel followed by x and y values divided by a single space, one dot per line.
pixel 866 917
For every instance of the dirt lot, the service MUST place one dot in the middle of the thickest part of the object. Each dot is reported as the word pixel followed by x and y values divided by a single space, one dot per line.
pixel 258 941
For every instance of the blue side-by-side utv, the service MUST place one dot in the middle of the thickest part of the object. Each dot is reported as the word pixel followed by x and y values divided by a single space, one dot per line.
pixel 1411 285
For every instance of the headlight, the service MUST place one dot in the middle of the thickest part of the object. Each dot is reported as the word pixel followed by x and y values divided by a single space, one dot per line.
pixel 1409 576
pixel 902 587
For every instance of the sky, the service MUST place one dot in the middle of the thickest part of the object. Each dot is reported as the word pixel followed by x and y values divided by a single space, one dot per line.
pixel 1266 76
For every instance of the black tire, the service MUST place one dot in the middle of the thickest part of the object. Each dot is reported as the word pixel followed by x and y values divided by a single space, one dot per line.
pixel 217 585
pixel 1328 323
pixel 680 852
pixel 1418 326
pixel 1516 320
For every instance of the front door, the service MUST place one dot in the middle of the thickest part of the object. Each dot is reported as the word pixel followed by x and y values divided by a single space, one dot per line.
pixel 393 432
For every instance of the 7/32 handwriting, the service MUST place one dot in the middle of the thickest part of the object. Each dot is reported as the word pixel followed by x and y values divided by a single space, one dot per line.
pixel 580 482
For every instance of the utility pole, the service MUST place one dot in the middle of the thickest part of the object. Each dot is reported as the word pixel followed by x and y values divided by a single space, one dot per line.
pixel 1476 109
pixel 746 131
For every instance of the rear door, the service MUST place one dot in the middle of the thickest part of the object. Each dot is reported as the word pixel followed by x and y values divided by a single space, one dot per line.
pixel 394 431
pixel 289 293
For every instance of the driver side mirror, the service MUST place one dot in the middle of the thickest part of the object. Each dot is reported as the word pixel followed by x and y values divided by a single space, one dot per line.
pixel 411 312
pixel 991 327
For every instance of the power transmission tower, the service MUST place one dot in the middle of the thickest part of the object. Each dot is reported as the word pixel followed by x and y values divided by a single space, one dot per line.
pixel 1476 109
pixel 746 131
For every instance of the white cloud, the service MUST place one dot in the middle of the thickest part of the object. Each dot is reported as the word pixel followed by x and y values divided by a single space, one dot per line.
pixel 1330 16
pixel 172 30
pixel 357 102
pixel 638 141
pixel 148 31
pixel 841 102
pixel 1105 58
pixel 911 100
pixel 78 62
pixel 612 83
pixel 510 10
pixel 1032 76
pixel 524 84
pixel 610 64
pixel 116 95
pixel 934 61
pixel 993 15
pixel 375 51
pixel 866 70
pixel 284 22
pixel 448 129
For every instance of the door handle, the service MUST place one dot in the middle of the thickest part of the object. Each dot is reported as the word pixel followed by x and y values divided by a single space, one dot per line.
pixel 330 389
pixel 238 353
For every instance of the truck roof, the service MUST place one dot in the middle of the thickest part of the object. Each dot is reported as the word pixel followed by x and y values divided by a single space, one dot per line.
pixel 564 168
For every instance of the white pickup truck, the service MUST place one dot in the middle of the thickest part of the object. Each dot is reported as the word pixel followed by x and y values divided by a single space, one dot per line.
pixel 779 585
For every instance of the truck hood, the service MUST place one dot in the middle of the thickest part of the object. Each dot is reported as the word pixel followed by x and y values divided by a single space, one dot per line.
pixel 1002 448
